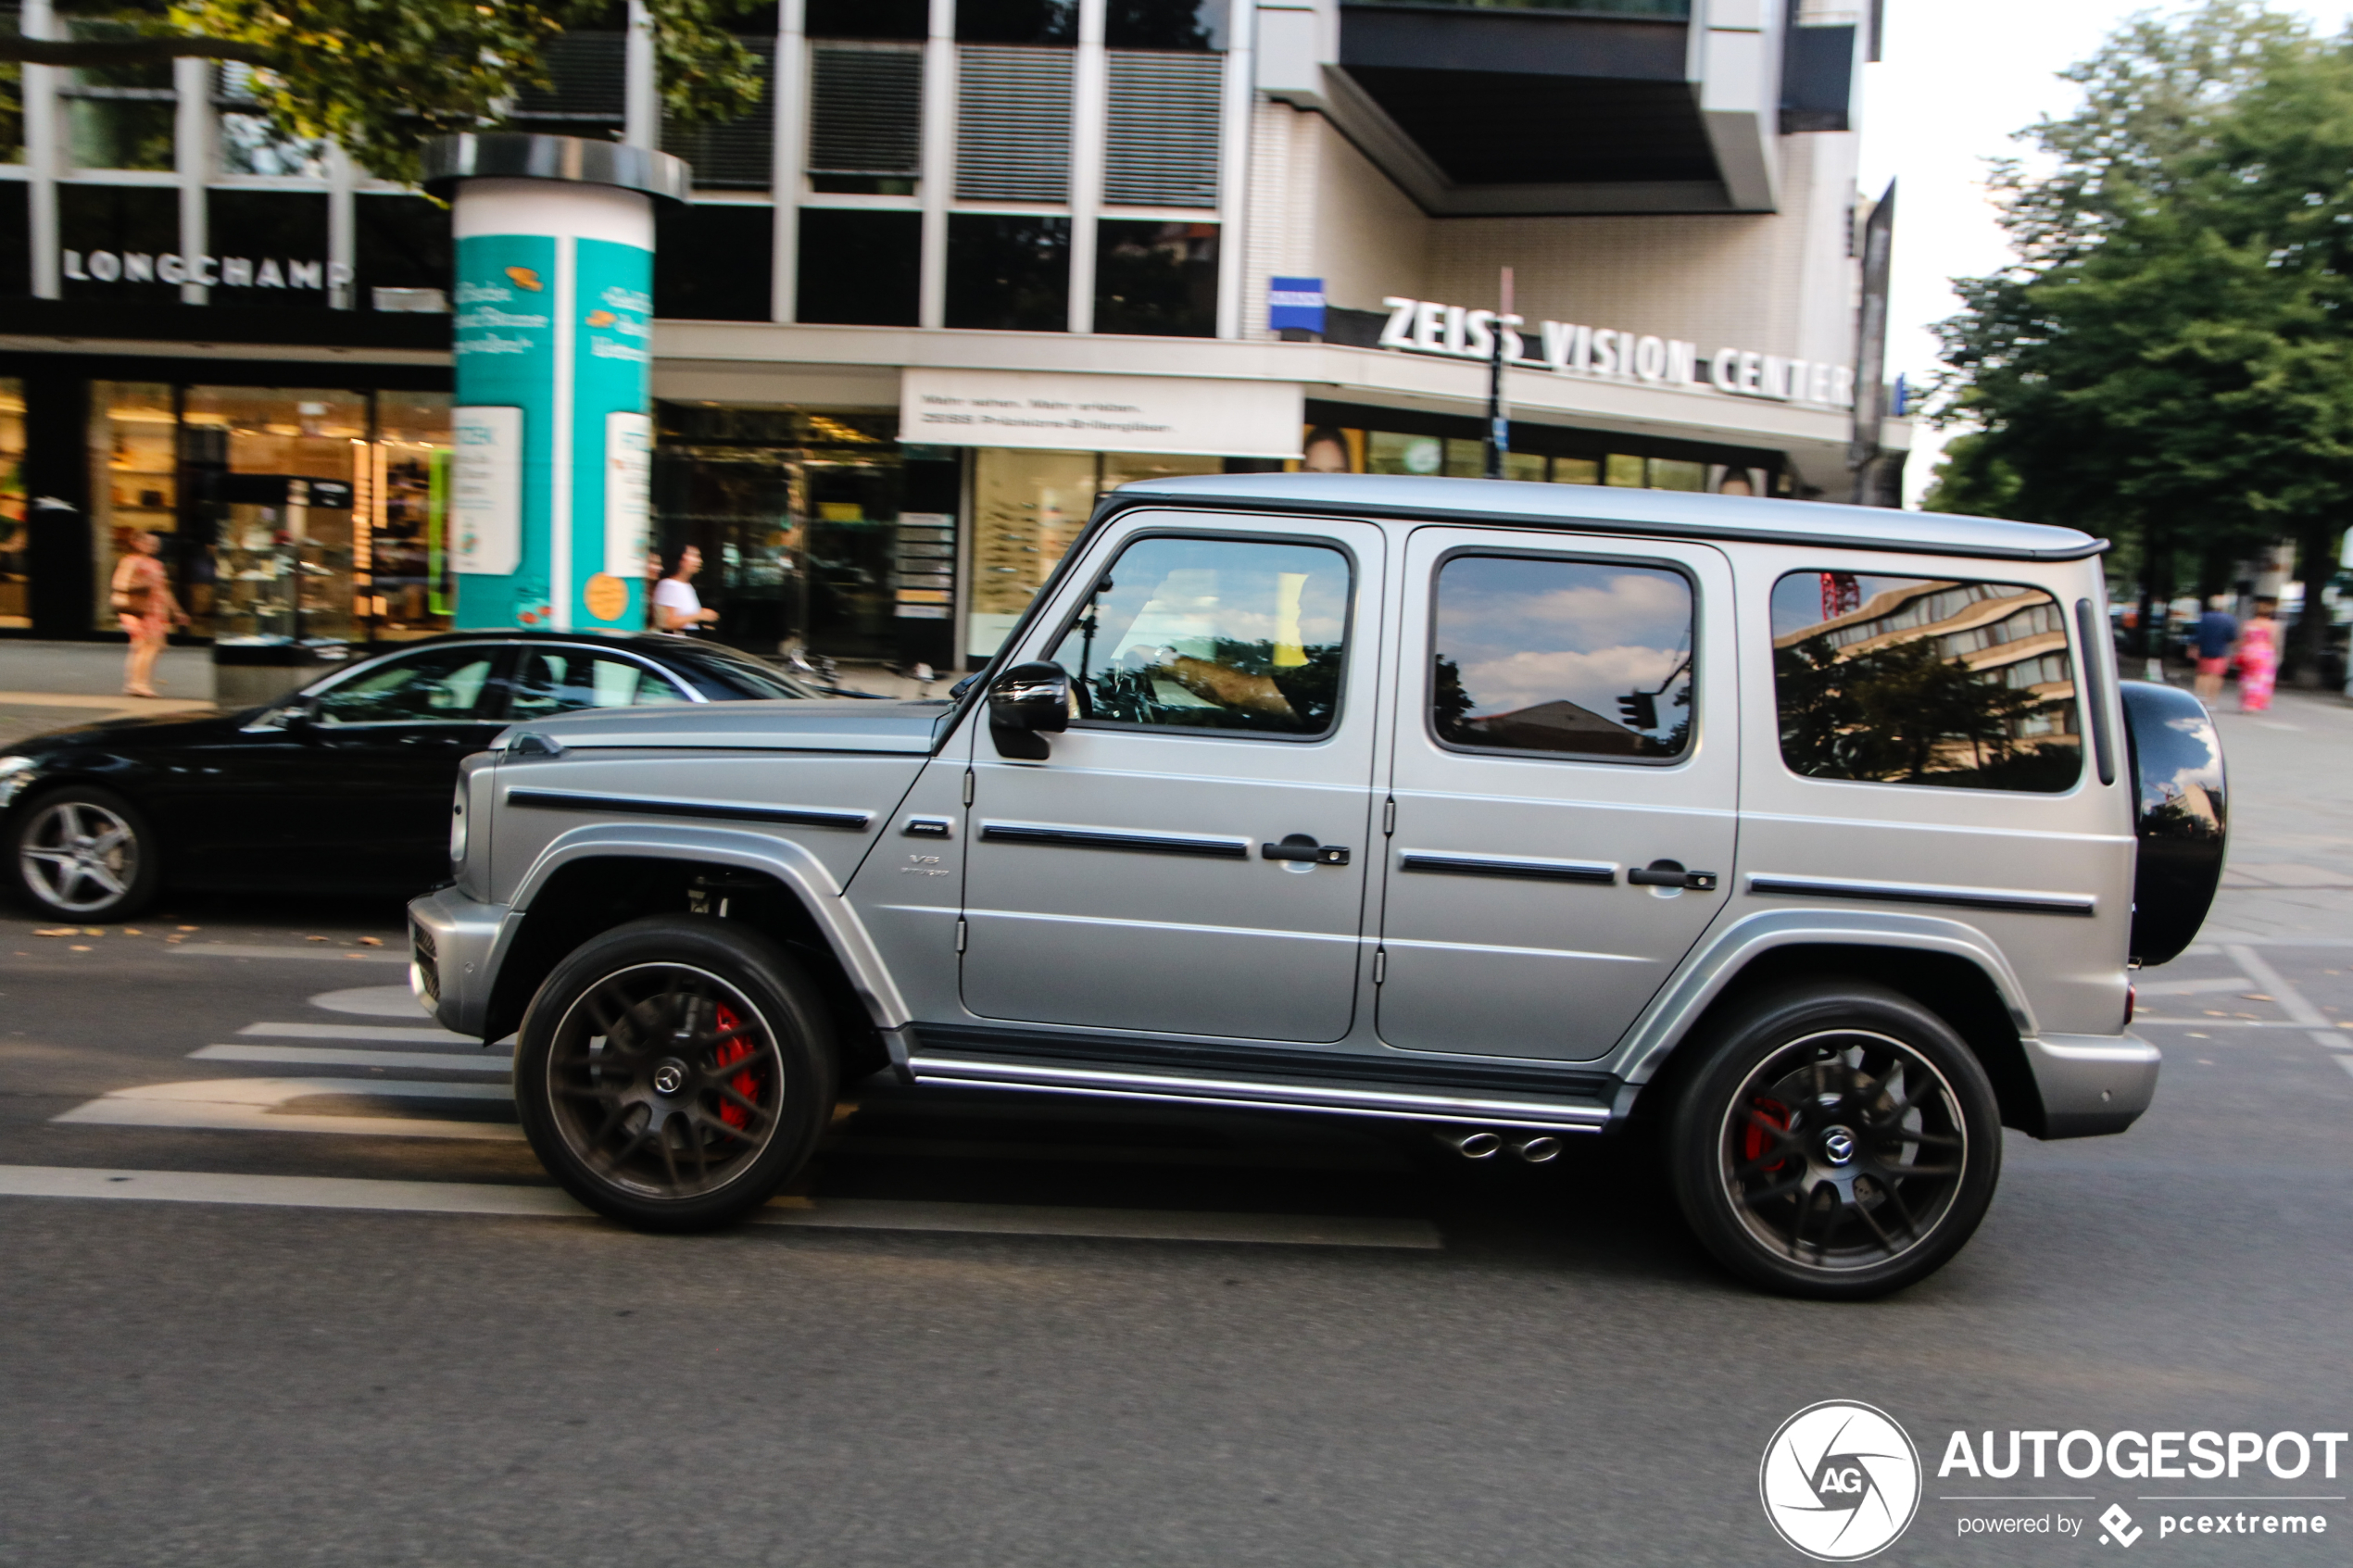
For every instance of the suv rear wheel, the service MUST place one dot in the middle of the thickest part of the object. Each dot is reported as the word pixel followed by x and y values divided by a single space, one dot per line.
pixel 673 1073
pixel 1837 1141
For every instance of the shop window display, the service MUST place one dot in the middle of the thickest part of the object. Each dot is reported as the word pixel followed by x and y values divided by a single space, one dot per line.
pixel 400 569
pixel 271 475
pixel 133 485
pixel 16 611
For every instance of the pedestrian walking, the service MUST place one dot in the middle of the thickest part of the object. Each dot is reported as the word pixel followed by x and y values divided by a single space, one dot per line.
pixel 144 604
pixel 678 609
pixel 2218 628
pixel 2259 652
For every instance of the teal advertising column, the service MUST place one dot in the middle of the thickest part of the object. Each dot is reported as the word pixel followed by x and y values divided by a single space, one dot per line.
pixel 553 429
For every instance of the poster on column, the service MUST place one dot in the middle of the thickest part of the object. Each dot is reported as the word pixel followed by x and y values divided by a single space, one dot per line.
pixel 629 464
pixel 486 501
pixel 613 437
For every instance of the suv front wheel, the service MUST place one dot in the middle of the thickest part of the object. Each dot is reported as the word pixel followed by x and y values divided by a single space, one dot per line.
pixel 1838 1141
pixel 673 1073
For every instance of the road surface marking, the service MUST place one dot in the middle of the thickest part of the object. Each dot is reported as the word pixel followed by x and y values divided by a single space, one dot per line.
pixel 2160 987
pixel 2239 1023
pixel 373 1002
pixel 388 1032
pixel 259 950
pixel 840 1213
pixel 327 1055
pixel 249 1105
pixel 2291 1000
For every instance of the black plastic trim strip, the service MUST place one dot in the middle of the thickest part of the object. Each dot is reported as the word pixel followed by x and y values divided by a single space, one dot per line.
pixel 1262 1063
pixel 1094 838
pixel 1590 871
pixel 1896 893
pixel 2094 670
pixel 635 806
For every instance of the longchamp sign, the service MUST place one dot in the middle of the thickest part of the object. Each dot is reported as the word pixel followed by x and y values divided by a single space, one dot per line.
pixel 209 272
pixel 1426 326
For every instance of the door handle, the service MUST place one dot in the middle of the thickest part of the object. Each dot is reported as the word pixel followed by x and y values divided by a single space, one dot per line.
pixel 1302 846
pixel 1670 873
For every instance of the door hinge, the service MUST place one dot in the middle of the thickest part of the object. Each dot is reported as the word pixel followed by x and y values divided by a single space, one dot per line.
pixel 968 786
pixel 1380 965
pixel 960 934
pixel 1388 815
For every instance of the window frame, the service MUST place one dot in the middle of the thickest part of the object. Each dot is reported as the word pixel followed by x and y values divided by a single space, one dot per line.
pixel 1069 624
pixel 490 700
pixel 1497 552
pixel 2069 636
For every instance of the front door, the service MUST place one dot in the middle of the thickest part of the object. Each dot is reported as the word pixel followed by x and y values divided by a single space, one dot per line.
pixel 1228 672
pixel 1566 754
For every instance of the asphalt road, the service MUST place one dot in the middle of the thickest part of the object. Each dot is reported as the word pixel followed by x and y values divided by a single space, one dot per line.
pixel 240 1324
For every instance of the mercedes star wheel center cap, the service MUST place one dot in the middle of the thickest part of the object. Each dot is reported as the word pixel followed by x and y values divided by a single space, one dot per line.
pixel 1838 1146
pixel 670 1077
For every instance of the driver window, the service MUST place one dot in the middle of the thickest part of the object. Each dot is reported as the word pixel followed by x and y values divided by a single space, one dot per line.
pixel 1213 634
pixel 441 686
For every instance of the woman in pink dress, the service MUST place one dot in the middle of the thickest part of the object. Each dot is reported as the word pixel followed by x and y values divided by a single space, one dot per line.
pixel 2259 655
pixel 144 604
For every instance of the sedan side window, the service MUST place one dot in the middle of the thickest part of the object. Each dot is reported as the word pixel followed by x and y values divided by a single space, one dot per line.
pixel 560 680
pixel 1542 656
pixel 1213 634
pixel 436 686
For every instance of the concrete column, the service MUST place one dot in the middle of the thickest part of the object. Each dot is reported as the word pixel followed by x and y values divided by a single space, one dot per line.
pixel 553 427
pixel 1233 163
pixel 791 142
pixel 42 154
pixel 640 89
pixel 938 184
pixel 1089 128
pixel 343 232
pixel 195 153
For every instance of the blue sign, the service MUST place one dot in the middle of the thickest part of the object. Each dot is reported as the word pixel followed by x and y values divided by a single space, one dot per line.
pixel 1295 303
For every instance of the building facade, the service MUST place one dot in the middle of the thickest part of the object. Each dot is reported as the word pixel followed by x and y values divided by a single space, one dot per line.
pixel 970 264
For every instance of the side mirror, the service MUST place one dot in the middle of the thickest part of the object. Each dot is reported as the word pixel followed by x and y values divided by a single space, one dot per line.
pixel 300 716
pixel 1027 703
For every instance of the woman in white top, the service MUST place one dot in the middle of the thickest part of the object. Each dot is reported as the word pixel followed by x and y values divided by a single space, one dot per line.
pixel 677 610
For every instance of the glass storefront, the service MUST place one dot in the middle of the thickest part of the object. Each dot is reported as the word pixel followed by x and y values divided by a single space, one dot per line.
pixel 1341 439
pixel 287 513
pixel 16 608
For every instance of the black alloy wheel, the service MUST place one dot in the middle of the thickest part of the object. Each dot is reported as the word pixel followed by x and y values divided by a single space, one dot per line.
pixel 673 1073
pixel 1838 1141
pixel 85 853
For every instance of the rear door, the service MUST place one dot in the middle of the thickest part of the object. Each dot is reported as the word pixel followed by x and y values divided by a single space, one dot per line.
pixel 1567 717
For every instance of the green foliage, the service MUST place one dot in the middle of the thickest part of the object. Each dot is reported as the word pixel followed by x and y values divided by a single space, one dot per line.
pixel 383 76
pixel 2171 353
pixel 1970 482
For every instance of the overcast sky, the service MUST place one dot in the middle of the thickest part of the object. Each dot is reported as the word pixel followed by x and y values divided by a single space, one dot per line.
pixel 1955 80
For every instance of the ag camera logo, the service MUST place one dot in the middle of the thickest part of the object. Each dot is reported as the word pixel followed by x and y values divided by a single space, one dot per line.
pixel 1841 1481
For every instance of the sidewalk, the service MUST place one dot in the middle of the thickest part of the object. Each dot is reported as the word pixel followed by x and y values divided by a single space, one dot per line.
pixel 2290 872
pixel 51 686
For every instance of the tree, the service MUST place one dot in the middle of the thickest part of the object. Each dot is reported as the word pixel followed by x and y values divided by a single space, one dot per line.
pixel 381 76
pixel 2168 355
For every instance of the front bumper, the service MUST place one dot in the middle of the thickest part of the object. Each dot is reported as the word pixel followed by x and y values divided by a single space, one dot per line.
pixel 2092 1083
pixel 453 943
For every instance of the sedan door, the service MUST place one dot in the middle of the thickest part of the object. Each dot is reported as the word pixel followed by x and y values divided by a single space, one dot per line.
pixel 1565 786
pixel 1189 858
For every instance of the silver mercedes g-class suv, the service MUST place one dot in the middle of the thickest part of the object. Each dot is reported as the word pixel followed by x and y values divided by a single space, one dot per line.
pixel 1823 840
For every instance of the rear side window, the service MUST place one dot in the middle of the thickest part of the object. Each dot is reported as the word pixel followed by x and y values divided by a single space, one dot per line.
pixel 560 680
pixel 1534 654
pixel 1924 680
pixel 432 687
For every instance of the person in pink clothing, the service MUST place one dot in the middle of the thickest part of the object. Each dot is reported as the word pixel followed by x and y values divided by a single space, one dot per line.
pixel 2258 656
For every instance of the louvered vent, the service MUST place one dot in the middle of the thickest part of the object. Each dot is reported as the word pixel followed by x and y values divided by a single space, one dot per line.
pixel 585 81
pixel 1163 135
pixel 866 112
pixel 1012 130
pixel 734 155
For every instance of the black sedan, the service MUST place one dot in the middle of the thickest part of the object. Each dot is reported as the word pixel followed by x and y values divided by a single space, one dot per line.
pixel 343 786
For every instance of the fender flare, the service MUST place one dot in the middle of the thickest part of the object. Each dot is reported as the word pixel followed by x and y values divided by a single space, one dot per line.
pixel 788 862
pixel 1704 977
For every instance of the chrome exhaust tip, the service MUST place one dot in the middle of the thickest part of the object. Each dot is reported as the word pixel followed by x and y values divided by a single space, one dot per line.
pixel 1541 1150
pixel 1473 1144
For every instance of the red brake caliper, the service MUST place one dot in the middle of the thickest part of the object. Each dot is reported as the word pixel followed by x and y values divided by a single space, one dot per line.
pixel 1752 1137
pixel 734 1049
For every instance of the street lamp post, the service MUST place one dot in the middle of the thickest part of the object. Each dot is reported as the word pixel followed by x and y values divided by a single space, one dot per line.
pixel 552 431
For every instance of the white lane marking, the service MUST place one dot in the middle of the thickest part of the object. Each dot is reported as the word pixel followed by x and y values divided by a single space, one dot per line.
pixel 390 1033
pixel 259 950
pixel 249 1105
pixel 848 1213
pixel 1126 1224
pixel 2149 987
pixel 2140 1019
pixel 373 1002
pixel 2291 1000
pixel 329 1056
pixel 288 1192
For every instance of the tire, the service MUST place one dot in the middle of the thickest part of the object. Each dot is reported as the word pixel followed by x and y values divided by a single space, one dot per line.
pixel 1836 1141
pixel 662 1130
pixel 85 853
